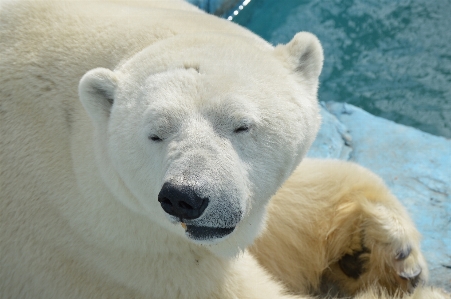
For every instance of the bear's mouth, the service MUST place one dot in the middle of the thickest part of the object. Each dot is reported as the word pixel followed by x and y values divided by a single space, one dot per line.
pixel 205 233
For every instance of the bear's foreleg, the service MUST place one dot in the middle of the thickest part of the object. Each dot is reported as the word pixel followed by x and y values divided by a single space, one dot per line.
pixel 335 228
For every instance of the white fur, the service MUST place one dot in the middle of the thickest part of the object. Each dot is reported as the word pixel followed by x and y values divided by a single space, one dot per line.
pixel 79 215
pixel 194 98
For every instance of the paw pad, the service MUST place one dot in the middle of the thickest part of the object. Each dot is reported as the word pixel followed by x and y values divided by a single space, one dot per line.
pixel 353 265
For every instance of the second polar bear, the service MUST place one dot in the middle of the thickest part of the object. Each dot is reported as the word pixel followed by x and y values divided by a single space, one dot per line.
pixel 141 142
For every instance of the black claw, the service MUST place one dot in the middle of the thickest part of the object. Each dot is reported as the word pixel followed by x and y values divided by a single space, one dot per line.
pixel 411 276
pixel 415 281
pixel 403 254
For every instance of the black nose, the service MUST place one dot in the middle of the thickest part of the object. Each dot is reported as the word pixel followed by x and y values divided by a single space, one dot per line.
pixel 181 201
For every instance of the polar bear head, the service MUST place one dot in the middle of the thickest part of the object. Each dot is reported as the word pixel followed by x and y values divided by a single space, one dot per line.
pixel 198 132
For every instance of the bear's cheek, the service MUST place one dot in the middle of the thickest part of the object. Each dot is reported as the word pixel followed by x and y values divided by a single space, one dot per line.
pixel 268 156
pixel 137 162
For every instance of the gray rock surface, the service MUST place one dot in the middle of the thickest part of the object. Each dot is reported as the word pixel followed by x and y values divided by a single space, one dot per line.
pixel 415 165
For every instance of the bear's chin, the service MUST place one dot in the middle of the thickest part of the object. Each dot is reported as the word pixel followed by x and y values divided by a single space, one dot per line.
pixel 207 235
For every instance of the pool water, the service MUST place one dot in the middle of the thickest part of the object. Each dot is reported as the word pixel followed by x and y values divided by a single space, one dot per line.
pixel 391 58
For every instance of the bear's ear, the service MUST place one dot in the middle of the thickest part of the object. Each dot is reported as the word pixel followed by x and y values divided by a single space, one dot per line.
pixel 303 55
pixel 96 91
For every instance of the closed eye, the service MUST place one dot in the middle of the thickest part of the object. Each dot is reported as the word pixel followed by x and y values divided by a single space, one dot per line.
pixel 241 129
pixel 155 138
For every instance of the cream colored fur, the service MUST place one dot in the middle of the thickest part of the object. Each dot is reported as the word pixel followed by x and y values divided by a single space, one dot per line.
pixel 79 216
pixel 349 210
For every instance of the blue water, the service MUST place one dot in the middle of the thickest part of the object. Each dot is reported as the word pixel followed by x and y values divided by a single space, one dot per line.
pixel 391 58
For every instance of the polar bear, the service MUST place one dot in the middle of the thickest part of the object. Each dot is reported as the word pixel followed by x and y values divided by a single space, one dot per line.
pixel 141 143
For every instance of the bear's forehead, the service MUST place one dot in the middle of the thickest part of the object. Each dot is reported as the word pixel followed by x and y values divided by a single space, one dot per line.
pixel 212 92
pixel 195 77
pixel 229 59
